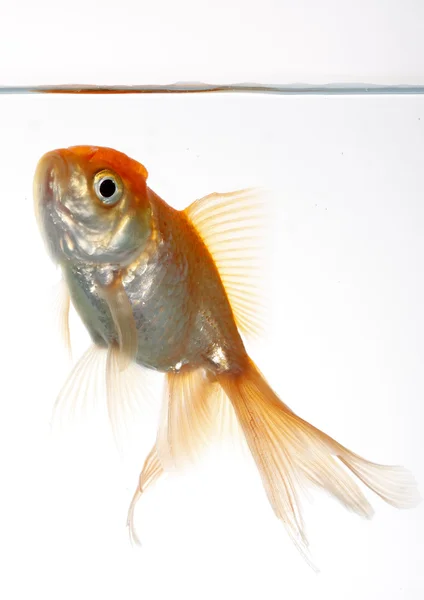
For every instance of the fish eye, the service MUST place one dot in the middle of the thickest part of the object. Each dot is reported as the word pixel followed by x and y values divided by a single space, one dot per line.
pixel 108 188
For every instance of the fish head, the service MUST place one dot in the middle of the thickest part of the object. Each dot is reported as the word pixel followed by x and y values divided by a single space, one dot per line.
pixel 92 205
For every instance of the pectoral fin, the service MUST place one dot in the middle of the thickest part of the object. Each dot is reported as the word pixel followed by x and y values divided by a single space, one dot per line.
pixel 82 388
pixel 61 306
pixel 95 378
pixel 121 311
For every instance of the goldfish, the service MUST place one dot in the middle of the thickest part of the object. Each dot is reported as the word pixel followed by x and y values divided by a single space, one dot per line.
pixel 172 291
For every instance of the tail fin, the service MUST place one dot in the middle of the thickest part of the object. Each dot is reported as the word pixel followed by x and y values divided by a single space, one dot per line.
pixel 289 452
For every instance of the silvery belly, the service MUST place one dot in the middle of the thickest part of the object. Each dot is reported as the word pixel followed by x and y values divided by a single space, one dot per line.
pixel 171 331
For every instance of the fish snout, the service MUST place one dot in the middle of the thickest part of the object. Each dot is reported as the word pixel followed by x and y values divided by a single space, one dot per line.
pixel 49 188
pixel 50 176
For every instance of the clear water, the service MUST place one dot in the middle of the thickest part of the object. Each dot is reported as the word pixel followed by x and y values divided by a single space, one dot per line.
pixel 345 350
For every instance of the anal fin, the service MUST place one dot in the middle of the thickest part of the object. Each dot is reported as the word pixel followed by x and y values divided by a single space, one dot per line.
pixel 186 423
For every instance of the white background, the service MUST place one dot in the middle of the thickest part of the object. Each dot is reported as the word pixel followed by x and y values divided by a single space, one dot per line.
pixel 345 350
pixel 161 41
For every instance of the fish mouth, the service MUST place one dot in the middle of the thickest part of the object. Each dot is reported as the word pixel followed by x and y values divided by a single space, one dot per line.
pixel 51 170
pixel 53 218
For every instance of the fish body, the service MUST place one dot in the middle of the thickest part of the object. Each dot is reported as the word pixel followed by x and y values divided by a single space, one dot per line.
pixel 171 291
pixel 181 312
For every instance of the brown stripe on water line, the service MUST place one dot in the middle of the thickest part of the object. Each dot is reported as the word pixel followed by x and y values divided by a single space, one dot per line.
pixel 202 88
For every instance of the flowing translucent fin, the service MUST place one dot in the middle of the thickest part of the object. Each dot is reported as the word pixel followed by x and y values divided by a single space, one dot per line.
pixel 61 311
pixel 83 387
pixel 121 311
pixel 289 452
pixel 97 378
pixel 126 393
pixel 234 227
pixel 152 470
pixel 187 421
pixel 226 431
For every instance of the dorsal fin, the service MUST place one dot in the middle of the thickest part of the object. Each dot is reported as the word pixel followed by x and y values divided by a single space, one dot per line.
pixel 234 228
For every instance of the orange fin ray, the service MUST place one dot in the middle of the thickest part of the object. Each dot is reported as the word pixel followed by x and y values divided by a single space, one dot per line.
pixel 234 227
pixel 196 414
pixel 186 423
pixel 151 472
pixel 289 453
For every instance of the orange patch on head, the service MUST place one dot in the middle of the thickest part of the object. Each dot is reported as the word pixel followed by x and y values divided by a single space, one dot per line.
pixel 107 158
pixel 111 159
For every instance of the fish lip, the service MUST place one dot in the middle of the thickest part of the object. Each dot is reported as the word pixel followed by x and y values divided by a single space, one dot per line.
pixel 51 172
